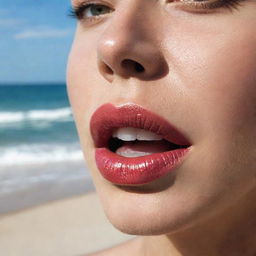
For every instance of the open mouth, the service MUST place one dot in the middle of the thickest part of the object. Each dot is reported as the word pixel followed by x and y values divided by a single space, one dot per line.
pixel 134 145
pixel 134 142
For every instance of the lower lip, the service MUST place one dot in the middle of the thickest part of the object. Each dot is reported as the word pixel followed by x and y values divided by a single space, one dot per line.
pixel 137 170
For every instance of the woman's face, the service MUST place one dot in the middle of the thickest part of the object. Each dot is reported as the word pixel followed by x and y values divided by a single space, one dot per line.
pixel 199 61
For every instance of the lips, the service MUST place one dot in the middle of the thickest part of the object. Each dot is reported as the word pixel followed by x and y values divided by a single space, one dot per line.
pixel 135 170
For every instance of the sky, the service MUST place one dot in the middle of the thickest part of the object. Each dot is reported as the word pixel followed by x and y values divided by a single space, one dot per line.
pixel 35 39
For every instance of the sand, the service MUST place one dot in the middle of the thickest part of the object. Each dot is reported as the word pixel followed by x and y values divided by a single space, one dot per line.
pixel 74 226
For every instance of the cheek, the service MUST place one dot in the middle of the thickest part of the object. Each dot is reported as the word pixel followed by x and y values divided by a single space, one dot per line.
pixel 79 98
pixel 228 89
pixel 218 69
pixel 80 72
pixel 217 66
pixel 82 83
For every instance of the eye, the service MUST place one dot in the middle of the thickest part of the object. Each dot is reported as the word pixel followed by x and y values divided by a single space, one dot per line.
pixel 95 10
pixel 90 11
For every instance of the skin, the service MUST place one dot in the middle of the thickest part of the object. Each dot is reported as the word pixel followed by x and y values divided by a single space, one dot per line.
pixel 199 74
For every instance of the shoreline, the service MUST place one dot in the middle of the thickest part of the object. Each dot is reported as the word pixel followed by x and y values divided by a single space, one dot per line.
pixel 27 186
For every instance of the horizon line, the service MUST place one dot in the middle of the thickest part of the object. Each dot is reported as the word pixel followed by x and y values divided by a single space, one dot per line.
pixel 32 83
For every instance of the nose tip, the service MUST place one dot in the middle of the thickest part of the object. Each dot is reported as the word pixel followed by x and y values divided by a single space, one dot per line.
pixel 128 54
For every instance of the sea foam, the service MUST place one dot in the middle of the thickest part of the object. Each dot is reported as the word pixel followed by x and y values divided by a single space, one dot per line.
pixel 59 114
pixel 27 154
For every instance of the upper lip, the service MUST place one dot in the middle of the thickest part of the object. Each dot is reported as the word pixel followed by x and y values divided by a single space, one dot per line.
pixel 108 117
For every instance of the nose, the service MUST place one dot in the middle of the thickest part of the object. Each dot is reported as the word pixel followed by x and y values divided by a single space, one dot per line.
pixel 128 48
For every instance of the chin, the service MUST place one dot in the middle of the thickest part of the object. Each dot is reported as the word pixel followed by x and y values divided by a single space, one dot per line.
pixel 166 212
pixel 148 222
pixel 150 214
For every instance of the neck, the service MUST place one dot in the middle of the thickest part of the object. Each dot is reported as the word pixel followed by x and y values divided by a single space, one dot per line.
pixel 233 232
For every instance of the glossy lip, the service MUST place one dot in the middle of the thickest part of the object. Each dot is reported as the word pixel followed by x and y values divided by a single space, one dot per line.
pixel 137 170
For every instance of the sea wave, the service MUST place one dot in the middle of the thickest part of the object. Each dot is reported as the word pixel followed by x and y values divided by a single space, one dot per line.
pixel 28 154
pixel 59 114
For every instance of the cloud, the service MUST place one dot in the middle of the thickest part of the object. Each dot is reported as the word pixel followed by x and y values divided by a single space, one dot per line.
pixel 39 33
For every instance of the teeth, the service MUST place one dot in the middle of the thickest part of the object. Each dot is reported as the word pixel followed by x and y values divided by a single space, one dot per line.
pixel 147 135
pixel 131 153
pixel 126 134
pixel 131 134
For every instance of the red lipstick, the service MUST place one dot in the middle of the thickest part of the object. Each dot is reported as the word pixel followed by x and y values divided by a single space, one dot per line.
pixel 134 170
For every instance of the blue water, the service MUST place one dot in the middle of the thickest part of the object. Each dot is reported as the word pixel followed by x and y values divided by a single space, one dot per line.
pixel 35 114
pixel 39 145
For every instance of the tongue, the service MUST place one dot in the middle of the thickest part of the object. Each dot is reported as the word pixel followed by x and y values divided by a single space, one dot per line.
pixel 142 148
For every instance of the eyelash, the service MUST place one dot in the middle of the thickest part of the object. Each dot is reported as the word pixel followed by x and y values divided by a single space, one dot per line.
pixel 78 11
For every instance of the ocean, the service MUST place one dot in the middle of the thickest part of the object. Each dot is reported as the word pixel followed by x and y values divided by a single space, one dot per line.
pixel 40 154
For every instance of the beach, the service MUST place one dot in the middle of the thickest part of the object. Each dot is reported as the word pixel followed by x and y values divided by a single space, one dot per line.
pixel 72 226
pixel 47 201
pixel 40 155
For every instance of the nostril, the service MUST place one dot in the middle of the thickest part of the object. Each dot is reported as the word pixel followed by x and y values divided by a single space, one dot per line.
pixel 104 68
pixel 108 70
pixel 133 66
pixel 139 68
